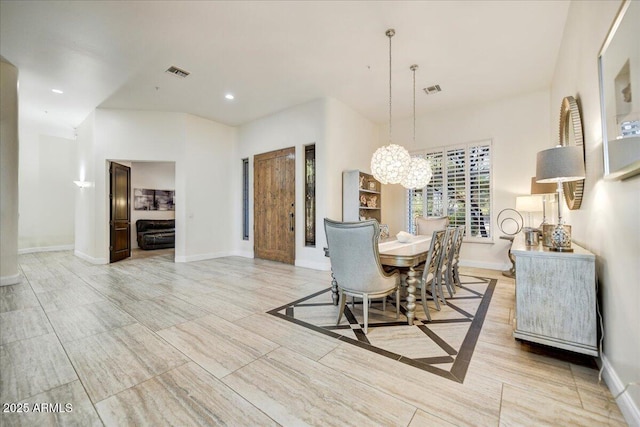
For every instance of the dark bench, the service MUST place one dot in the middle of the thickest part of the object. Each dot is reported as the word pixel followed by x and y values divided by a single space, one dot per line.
pixel 156 233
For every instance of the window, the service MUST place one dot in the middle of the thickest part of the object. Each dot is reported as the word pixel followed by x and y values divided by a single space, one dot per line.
pixel 245 199
pixel 310 195
pixel 460 188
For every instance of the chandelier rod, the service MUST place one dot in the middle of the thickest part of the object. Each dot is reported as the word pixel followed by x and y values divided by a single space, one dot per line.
pixel 390 33
pixel 413 68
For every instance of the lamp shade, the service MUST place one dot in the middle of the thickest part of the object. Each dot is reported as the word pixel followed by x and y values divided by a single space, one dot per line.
pixel 560 164
pixel 390 164
pixel 419 174
pixel 529 203
pixel 539 188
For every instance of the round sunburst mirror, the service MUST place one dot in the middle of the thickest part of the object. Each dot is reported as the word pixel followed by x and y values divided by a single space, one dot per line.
pixel 571 134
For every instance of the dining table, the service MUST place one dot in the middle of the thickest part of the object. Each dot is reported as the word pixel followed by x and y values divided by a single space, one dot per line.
pixel 403 257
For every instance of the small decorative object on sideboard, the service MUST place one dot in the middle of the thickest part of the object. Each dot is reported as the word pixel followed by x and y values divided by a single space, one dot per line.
pixel 363 200
pixel 372 202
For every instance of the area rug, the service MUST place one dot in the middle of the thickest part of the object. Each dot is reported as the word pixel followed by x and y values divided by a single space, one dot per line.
pixel 443 346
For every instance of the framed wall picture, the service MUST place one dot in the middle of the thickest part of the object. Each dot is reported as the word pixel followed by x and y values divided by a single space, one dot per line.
pixel 153 200
pixel 619 67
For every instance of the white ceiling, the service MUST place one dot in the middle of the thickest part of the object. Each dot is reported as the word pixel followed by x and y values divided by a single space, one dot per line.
pixel 273 55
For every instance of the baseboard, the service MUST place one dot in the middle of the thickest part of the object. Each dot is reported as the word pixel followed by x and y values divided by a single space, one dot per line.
pixel 45 249
pixel 243 254
pixel 92 260
pixel 201 257
pixel 488 265
pixel 314 265
pixel 627 406
pixel 10 280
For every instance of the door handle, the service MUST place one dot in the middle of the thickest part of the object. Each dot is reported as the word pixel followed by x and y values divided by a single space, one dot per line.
pixel 291 222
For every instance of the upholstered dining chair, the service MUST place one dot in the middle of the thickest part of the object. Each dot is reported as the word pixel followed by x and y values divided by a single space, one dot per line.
pixel 429 275
pixel 443 266
pixel 425 226
pixel 355 263
pixel 454 257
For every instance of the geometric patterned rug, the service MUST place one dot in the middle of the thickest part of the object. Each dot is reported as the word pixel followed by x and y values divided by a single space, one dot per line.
pixel 442 346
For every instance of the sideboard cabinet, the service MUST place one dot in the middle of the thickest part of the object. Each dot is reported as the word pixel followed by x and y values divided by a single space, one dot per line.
pixel 556 297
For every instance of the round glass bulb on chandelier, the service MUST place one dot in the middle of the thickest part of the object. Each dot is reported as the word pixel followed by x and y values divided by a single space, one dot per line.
pixel 390 164
pixel 419 174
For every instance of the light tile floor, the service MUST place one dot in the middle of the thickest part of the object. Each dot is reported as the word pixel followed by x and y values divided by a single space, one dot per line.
pixel 149 342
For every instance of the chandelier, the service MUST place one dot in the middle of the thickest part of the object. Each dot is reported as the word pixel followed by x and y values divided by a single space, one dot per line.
pixel 390 163
pixel 419 173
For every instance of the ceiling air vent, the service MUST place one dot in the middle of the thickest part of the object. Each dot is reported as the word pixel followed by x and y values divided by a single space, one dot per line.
pixel 432 89
pixel 177 71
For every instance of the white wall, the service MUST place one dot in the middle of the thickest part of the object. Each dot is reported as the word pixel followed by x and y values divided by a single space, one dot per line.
pixel 607 223
pixel 153 176
pixel 209 164
pixel 201 150
pixel 47 192
pixel 343 139
pixel 518 127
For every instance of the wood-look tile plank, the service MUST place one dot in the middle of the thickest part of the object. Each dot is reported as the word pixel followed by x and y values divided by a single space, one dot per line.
pixel 294 390
pixel 67 405
pixel 56 283
pixel 22 324
pixel 113 361
pixel 311 344
pixel 68 298
pixel 90 319
pixel 425 419
pixel 17 297
pixel 218 306
pixel 540 377
pixel 476 402
pixel 163 312
pixel 520 404
pixel 185 396
pixel 127 291
pixel 217 345
pixel 32 366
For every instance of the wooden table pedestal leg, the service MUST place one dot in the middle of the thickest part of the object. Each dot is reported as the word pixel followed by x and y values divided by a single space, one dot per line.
pixel 334 290
pixel 411 297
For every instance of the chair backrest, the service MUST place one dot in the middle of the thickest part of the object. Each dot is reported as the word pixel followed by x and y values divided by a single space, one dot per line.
pixel 433 257
pixel 457 243
pixel 447 246
pixel 354 254
pixel 425 226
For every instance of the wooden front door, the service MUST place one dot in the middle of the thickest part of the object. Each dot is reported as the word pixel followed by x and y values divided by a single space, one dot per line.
pixel 119 217
pixel 274 205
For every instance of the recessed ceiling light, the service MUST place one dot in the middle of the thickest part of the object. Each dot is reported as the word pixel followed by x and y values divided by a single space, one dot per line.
pixel 56 91
pixel 229 96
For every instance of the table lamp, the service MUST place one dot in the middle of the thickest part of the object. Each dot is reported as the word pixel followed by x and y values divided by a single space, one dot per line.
pixel 529 205
pixel 558 165
pixel 544 190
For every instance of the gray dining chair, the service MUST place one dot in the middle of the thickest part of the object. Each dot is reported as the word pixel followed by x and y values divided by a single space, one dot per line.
pixel 355 263
pixel 453 274
pixel 430 272
pixel 442 274
pixel 425 226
